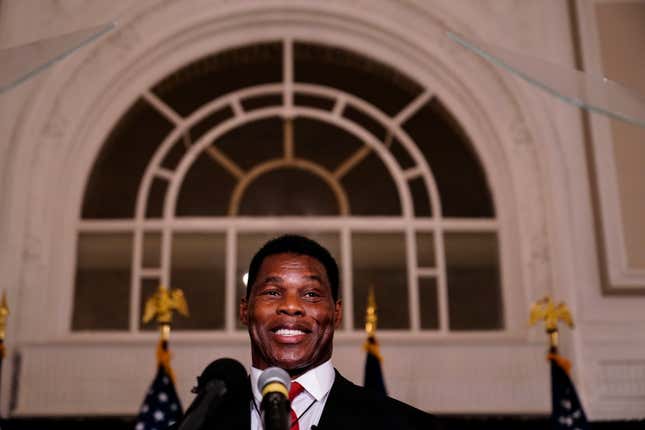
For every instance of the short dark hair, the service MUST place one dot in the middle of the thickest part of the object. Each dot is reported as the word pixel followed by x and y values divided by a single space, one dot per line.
pixel 295 244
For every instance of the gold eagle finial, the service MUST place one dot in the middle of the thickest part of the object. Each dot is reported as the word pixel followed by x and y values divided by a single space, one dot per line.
pixel 546 310
pixel 162 304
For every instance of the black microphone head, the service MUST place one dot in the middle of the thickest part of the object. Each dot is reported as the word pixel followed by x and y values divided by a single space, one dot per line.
pixel 230 371
pixel 274 375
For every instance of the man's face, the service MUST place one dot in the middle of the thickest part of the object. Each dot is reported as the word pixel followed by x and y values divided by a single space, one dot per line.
pixel 291 314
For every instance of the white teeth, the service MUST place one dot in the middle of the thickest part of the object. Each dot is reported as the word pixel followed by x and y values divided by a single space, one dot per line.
pixel 287 332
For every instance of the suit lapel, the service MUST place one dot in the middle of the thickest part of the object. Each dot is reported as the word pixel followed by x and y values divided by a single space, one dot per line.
pixel 338 408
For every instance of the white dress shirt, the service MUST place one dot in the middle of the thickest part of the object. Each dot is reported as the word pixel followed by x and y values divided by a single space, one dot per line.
pixel 308 405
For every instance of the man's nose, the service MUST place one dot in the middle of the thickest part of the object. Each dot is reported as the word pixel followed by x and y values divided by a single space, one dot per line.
pixel 290 305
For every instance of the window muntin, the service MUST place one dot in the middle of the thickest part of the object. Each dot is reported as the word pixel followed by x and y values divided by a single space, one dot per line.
pixel 376 154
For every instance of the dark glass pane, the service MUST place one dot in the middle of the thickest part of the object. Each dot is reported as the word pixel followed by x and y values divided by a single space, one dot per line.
pixel 198 267
pixel 474 293
pixel 254 142
pixel 461 181
pixel 323 143
pixel 289 192
pixel 379 261
pixel 373 81
pixel 429 305
pixel 151 257
pixel 313 101
pixel 249 243
pixel 261 102
pixel 102 290
pixel 206 189
pixel 112 188
pixel 425 249
pixel 211 77
pixel 148 288
pixel 366 122
pixel 371 189
pixel 420 197
pixel 156 198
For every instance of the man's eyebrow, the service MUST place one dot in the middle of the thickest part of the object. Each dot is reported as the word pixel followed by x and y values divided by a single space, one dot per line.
pixel 315 278
pixel 272 279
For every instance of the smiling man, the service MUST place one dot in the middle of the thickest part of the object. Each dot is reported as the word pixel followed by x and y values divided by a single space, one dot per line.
pixel 291 310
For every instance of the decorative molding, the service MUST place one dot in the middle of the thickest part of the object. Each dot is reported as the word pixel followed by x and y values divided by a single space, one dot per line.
pixel 621 379
pixel 616 385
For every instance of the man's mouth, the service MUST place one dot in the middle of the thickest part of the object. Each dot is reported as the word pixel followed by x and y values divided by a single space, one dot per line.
pixel 288 332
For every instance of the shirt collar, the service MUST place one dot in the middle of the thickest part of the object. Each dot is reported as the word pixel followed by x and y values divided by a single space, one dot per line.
pixel 317 381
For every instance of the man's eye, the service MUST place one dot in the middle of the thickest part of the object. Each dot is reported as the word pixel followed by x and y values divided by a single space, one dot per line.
pixel 312 294
pixel 271 293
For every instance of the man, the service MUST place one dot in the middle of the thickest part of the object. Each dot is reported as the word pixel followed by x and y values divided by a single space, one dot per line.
pixel 291 310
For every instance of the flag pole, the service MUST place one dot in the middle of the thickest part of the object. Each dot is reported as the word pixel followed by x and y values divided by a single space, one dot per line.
pixel 161 306
pixel 4 314
pixel 371 318
pixel 371 321
pixel 567 411
pixel 373 378
pixel 161 406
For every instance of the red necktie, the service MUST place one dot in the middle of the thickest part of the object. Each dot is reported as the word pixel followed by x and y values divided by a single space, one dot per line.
pixel 295 389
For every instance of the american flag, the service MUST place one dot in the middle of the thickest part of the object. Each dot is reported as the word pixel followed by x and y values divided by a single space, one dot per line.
pixel 567 411
pixel 161 407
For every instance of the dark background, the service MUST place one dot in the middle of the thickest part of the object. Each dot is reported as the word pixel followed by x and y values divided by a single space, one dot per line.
pixel 450 422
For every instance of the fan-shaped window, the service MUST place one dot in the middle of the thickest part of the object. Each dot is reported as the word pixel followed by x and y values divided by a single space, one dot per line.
pixel 301 193
pixel 239 146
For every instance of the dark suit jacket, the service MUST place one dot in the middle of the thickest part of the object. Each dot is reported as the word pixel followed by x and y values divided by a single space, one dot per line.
pixel 348 407
pixel 352 407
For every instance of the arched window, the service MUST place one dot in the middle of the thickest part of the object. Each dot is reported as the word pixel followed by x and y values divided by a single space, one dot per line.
pixel 289 136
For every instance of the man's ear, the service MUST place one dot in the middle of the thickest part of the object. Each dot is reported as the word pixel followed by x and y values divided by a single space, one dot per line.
pixel 244 311
pixel 338 313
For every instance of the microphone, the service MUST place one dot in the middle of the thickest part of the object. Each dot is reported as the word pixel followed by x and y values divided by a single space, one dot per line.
pixel 223 381
pixel 274 384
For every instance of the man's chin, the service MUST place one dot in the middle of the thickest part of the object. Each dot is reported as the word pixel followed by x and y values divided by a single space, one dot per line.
pixel 290 364
pixel 293 366
pixel 294 372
